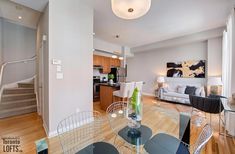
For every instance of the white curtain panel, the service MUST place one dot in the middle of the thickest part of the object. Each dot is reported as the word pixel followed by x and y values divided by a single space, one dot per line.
pixel 228 51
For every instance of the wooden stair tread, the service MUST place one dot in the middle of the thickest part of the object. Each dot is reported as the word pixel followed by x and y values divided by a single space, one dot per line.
pixel 20 88
pixel 12 95
pixel 19 101
pixel 17 109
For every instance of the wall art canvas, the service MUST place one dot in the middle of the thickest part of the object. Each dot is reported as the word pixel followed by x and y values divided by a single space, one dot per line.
pixel 187 69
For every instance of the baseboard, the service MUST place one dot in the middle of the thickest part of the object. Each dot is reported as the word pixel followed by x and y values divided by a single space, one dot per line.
pixel 45 128
pixel 54 133
pixel 48 133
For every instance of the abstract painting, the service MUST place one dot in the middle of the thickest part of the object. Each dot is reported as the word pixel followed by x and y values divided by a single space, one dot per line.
pixel 187 69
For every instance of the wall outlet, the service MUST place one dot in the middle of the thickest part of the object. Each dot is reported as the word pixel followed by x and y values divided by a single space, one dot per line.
pixel 59 76
pixel 58 68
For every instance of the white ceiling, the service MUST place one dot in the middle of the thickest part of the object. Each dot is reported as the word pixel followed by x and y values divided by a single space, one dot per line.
pixel 166 19
pixel 38 5
pixel 11 11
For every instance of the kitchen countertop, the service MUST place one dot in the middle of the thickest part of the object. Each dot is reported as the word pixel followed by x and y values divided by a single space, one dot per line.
pixel 115 85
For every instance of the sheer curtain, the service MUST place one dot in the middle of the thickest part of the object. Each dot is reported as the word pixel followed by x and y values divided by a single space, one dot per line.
pixel 228 40
pixel 227 76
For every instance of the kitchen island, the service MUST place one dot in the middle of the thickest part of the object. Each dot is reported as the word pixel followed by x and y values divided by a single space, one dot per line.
pixel 106 94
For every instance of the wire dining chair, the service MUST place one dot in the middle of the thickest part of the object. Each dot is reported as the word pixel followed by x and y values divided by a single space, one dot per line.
pixel 160 143
pixel 82 131
pixel 203 138
pixel 115 113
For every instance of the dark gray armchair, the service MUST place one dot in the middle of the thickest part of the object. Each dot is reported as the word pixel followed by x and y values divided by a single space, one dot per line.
pixel 211 104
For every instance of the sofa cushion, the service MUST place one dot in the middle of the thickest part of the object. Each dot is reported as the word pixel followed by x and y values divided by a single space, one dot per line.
pixel 172 87
pixel 198 91
pixel 190 90
pixel 181 89
pixel 175 94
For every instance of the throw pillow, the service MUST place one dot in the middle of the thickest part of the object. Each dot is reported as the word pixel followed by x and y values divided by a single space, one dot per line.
pixel 198 91
pixel 181 89
pixel 190 90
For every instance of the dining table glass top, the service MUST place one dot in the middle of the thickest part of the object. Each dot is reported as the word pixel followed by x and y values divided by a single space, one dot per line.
pixel 155 120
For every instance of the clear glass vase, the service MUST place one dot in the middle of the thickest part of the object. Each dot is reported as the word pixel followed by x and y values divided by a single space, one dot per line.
pixel 135 110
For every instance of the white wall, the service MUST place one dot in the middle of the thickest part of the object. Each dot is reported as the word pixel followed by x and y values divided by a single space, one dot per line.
pixel 110 47
pixel 106 46
pixel 18 43
pixel 1 41
pixel 215 56
pixel 43 29
pixel 71 41
pixel 233 54
pixel 146 66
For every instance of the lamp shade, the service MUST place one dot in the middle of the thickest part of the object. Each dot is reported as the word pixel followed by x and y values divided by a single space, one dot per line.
pixel 130 9
pixel 214 81
pixel 160 79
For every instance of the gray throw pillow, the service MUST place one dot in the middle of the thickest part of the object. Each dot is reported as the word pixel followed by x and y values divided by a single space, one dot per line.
pixel 190 90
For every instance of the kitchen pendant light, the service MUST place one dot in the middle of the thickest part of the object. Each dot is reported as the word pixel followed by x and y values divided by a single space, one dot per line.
pixel 130 9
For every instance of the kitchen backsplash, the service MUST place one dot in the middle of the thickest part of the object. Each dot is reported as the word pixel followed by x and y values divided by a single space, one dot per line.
pixel 97 73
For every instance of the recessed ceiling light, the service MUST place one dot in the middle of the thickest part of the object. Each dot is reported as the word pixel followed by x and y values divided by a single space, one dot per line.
pixel 120 58
pixel 114 56
pixel 19 17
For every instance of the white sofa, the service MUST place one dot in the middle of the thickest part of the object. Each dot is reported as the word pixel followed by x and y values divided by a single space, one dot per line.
pixel 175 92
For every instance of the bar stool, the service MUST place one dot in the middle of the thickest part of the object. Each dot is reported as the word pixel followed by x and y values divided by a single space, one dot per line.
pixel 126 90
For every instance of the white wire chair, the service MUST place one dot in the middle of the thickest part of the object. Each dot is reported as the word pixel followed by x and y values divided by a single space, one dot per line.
pixel 203 138
pixel 79 130
pixel 114 112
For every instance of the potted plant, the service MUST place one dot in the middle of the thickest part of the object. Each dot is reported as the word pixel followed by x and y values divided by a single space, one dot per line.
pixel 111 77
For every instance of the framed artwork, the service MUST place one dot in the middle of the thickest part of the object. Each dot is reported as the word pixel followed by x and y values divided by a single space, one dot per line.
pixel 187 69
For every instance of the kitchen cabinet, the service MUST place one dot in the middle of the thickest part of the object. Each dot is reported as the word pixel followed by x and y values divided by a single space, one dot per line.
pixel 106 63
pixel 115 62
pixel 106 95
pixel 97 60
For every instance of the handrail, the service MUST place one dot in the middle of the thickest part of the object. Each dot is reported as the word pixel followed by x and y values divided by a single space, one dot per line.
pixel 13 62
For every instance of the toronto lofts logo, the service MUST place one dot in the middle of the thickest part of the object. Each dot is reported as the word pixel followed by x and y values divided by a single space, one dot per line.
pixel 11 144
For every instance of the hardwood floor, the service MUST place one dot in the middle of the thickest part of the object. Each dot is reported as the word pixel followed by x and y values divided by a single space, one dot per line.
pixel 29 128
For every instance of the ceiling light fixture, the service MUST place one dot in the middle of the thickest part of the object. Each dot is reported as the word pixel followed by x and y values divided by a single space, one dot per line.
pixel 20 17
pixel 120 58
pixel 130 9
pixel 114 56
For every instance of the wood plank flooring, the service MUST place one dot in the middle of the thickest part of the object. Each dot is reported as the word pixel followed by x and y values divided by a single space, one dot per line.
pixel 29 128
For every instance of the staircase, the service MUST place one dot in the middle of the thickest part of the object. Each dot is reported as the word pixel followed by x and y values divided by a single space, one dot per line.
pixel 19 100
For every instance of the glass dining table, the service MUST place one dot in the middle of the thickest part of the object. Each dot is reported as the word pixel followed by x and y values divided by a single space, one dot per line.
pixel 155 120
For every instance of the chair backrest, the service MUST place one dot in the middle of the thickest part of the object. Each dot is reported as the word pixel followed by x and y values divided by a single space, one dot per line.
pixel 115 112
pixel 126 89
pixel 139 85
pixel 206 104
pixel 203 138
pixel 79 130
